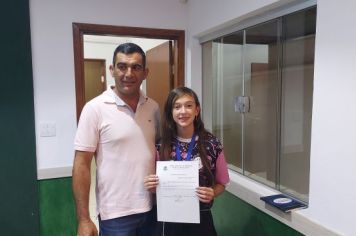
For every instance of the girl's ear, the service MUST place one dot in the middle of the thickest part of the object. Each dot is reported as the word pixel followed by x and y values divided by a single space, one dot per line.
pixel 197 112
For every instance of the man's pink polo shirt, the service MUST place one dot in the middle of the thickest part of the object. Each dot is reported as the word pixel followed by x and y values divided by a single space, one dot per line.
pixel 124 143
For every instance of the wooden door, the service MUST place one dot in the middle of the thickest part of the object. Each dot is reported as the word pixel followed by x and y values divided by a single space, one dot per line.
pixel 94 78
pixel 160 80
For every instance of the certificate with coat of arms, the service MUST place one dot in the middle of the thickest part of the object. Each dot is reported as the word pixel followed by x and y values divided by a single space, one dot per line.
pixel 176 197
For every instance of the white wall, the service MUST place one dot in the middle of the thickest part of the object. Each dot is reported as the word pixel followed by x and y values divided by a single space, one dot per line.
pixel 333 149
pixel 53 62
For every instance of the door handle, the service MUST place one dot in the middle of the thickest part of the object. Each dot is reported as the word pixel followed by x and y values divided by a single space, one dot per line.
pixel 242 104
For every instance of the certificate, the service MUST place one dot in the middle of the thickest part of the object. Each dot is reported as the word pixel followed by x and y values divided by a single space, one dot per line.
pixel 176 197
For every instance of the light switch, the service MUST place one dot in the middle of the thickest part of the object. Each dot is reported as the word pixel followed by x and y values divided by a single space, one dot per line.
pixel 48 129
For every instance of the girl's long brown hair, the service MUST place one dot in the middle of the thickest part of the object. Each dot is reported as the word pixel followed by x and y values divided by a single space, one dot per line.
pixel 169 129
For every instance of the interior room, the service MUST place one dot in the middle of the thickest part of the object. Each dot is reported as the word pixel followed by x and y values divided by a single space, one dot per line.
pixel 276 82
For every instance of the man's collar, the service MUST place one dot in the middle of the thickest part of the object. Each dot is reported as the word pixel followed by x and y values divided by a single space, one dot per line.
pixel 112 97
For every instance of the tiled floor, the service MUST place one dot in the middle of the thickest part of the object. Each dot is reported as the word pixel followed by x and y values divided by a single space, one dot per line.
pixel 92 200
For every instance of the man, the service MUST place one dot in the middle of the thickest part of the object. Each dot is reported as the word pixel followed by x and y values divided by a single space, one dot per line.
pixel 120 127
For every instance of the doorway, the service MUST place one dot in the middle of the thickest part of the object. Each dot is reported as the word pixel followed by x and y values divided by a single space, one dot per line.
pixel 159 60
pixel 80 29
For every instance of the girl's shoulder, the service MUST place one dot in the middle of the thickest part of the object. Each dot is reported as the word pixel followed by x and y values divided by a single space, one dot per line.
pixel 212 139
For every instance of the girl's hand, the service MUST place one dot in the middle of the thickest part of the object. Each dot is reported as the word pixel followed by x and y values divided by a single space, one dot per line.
pixel 205 194
pixel 151 182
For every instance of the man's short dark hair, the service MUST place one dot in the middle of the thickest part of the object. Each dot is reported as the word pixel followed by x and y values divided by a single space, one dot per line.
pixel 129 48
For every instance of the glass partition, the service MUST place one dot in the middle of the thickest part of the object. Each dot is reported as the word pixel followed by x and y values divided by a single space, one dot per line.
pixel 257 98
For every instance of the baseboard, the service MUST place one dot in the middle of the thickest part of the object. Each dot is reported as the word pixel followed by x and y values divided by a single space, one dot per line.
pixel 51 173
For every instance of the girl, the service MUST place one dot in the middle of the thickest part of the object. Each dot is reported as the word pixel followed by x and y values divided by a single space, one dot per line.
pixel 184 138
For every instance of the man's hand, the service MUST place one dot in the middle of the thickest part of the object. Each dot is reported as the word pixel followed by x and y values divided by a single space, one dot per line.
pixel 87 228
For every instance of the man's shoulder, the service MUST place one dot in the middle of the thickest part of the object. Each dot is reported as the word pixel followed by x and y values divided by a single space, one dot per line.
pixel 97 104
pixel 101 98
pixel 152 101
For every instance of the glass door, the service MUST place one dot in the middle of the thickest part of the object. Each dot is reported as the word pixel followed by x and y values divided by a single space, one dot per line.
pixel 227 122
pixel 244 87
pixel 262 88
